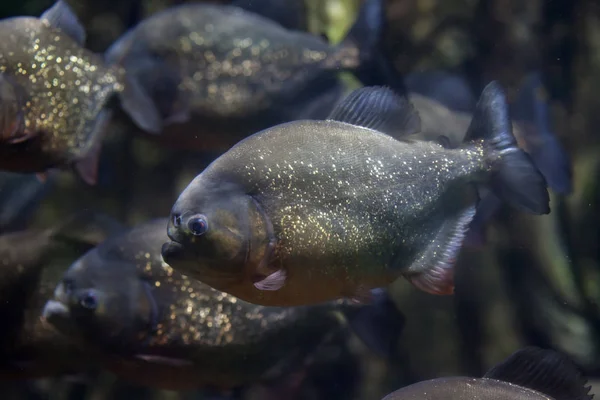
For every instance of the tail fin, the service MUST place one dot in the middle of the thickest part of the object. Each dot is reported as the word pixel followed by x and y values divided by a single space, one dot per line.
pixel 530 111
pixel 515 179
pixel 378 324
pixel 86 227
pixel 545 371
pixel 134 98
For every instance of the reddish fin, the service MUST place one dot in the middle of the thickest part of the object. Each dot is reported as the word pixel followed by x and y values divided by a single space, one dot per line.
pixel 87 167
pixel 275 281
pixel 434 271
pixel 438 280
pixel 42 176
pixel 175 362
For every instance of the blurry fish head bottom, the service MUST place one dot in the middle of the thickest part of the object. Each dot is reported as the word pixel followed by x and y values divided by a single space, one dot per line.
pixel 220 234
pixel 108 306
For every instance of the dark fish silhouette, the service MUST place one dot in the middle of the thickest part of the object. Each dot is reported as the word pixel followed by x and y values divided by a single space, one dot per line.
pixel 311 211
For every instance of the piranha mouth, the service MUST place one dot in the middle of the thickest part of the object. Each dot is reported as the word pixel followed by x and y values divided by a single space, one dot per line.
pixel 175 253
pixel 58 315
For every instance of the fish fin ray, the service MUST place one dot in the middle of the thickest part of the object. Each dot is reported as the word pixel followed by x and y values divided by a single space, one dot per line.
pixel 379 324
pixel 272 282
pixel 378 108
pixel 545 371
pixel 436 267
pixel 62 17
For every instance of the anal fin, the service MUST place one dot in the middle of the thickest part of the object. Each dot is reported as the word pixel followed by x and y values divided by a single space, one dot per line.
pixel 433 272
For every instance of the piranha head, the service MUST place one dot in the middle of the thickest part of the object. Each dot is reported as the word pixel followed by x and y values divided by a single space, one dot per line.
pixel 102 302
pixel 12 117
pixel 219 233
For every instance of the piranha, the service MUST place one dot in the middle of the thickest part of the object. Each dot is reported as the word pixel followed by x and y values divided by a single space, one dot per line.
pixel 311 211
pixel 56 97
pixel 154 326
pixel 217 73
pixel 30 269
pixel 529 374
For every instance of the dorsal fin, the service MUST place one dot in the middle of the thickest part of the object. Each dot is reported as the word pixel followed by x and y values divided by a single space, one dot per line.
pixel 62 17
pixel 378 108
pixel 545 371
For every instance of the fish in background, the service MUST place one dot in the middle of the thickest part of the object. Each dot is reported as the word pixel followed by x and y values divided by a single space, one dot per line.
pixel 56 97
pixel 217 73
pixel 444 101
pixel 310 211
pixel 31 263
pixel 529 374
pixel 20 196
pixel 154 326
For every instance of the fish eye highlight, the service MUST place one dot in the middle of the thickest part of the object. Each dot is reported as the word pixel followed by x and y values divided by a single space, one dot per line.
pixel 198 225
pixel 88 301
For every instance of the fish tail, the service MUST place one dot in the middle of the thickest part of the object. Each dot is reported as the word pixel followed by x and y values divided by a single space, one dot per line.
pixel 135 100
pixel 514 177
pixel 372 64
pixel 531 114
pixel 378 324
pixel 545 371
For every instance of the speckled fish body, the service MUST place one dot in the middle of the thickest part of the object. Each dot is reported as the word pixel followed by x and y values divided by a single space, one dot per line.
pixel 66 89
pixel 310 211
pixel 528 374
pixel 217 71
pixel 61 92
pixel 157 327
pixel 456 388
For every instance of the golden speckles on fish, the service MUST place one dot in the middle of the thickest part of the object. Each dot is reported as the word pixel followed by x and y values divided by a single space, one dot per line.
pixel 55 95
pixel 188 329
pixel 330 209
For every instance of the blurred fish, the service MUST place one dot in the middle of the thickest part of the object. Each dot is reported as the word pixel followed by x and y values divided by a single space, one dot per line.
pixel 157 327
pixel 55 95
pixel 529 374
pixel 218 73
pixel 311 211
pixel 20 196
pixel 30 268
pixel 291 14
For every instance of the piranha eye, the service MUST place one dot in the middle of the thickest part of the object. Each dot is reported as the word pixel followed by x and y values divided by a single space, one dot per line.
pixel 198 225
pixel 89 301
pixel 177 220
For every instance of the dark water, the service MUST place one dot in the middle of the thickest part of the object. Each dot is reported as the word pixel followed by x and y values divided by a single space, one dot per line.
pixel 524 280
